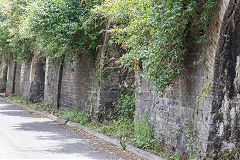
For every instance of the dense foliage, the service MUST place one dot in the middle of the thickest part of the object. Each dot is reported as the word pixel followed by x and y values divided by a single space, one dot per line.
pixel 57 27
pixel 61 26
pixel 156 33
pixel 11 44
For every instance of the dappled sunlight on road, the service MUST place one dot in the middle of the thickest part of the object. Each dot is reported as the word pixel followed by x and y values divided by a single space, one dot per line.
pixel 23 135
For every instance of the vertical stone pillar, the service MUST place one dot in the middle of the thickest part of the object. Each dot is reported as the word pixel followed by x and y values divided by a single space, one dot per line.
pixel 37 79
pixel 25 80
pixel 3 74
pixel 18 80
pixel 112 81
pixel 76 82
pixel 51 91
pixel 10 77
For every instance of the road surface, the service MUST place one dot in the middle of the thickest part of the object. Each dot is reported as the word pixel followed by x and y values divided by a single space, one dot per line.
pixel 24 135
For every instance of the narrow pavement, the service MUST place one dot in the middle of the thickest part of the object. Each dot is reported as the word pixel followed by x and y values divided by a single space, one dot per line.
pixel 24 135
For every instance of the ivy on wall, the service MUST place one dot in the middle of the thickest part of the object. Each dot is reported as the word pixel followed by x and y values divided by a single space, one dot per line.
pixel 156 33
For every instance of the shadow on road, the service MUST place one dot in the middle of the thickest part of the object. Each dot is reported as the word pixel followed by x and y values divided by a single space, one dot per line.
pixel 50 137
pixel 63 139
pixel 11 110
pixel 5 106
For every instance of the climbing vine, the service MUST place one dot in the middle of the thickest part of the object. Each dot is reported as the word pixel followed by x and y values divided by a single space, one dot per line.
pixel 156 34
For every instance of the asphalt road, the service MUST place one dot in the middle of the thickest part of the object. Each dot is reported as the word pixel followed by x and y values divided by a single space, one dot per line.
pixel 24 135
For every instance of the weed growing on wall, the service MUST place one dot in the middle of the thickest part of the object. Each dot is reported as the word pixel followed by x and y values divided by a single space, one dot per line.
pixel 175 156
pixel 143 136
pixel 125 105
pixel 118 128
pixel 191 145
pixel 233 154
pixel 207 89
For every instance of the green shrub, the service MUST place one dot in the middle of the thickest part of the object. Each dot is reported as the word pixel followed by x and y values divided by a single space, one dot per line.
pixel 143 136
pixel 125 106
pixel 121 128
pixel 76 116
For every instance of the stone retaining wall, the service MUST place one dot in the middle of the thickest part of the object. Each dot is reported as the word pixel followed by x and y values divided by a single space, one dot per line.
pixel 205 98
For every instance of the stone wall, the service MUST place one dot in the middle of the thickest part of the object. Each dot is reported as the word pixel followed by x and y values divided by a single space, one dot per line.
pixel 29 79
pixel 25 79
pixel 37 79
pixel 167 113
pixel 51 82
pixel 112 81
pixel 3 67
pixel 224 116
pixel 72 86
pixel 18 81
pixel 205 97
pixel 22 79
pixel 76 82
pixel 172 113
pixel 10 77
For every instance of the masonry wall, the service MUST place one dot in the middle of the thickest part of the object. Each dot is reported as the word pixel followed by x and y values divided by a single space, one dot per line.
pixel 113 80
pixel 25 76
pixel 37 79
pixel 18 80
pixel 10 77
pixel 172 113
pixel 205 97
pixel 28 79
pixel 4 66
pixel 224 121
pixel 22 79
pixel 76 82
pixel 51 82
pixel 71 85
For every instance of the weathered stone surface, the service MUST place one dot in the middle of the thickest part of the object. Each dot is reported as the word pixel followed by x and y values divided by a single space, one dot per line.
pixel 76 82
pixel 25 79
pixel 205 96
pixel 4 66
pixel 18 81
pixel 51 82
pixel 224 115
pixel 10 77
pixel 37 79
pixel 113 81
pixel 29 79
